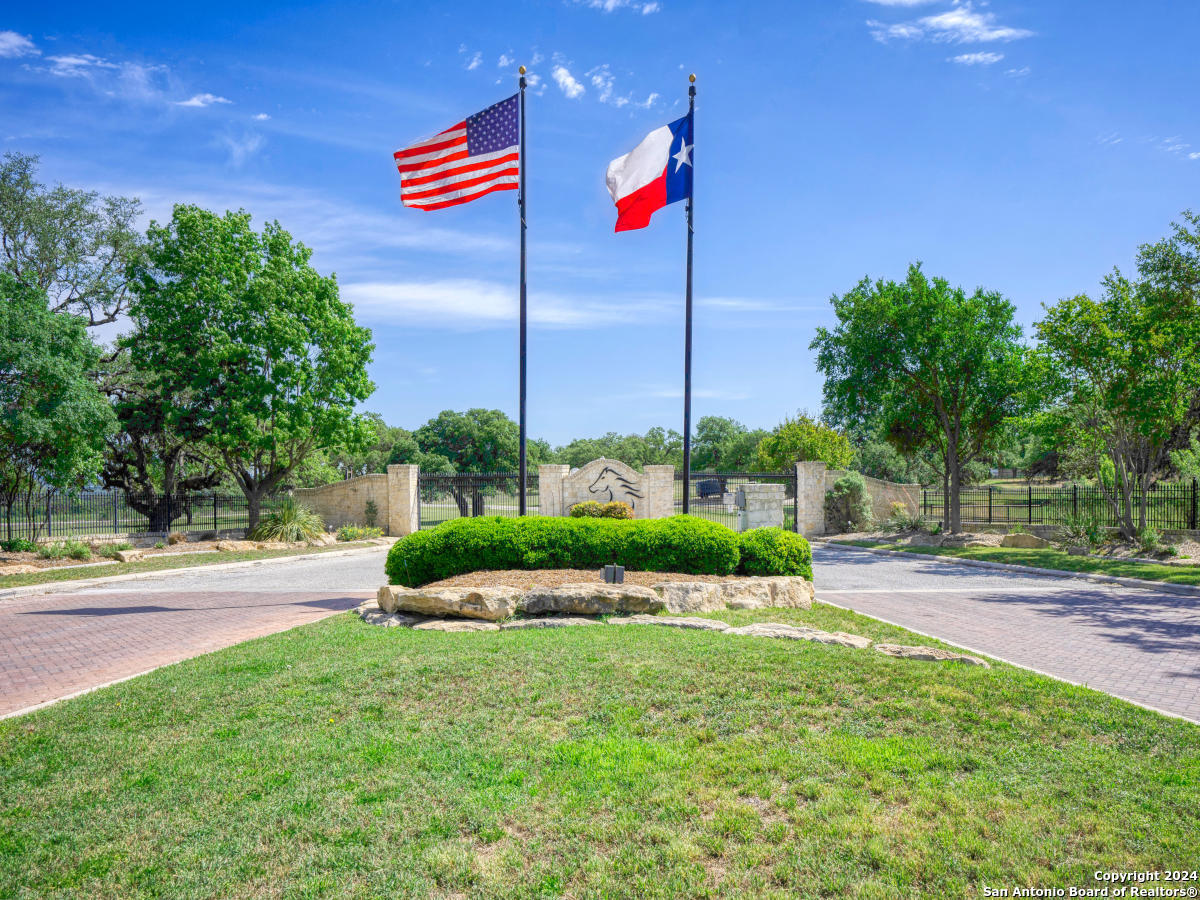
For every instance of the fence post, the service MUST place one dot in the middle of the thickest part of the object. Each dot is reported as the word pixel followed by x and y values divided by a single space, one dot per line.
pixel 49 519
pixel 1075 501
pixel 1031 504
pixel 116 524
pixel 168 513
pixel 215 528
pixel 1192 518
pixel 989 504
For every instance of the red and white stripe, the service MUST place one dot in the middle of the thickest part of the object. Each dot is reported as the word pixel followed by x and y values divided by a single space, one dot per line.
pixel 438 172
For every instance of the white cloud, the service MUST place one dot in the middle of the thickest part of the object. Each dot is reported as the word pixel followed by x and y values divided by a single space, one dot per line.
pixel 645 8
pixel 602 81
pixel 883 32
pixel 648 102
pixel 566 82
pixel 1018 73
pixel 1108 140
pixel 475 61
pixel 261 117
pixel 241 149
pixel 900 2
pixel 466 303
pixel 977 59
pixel 504 61
pixel 1194 156
pixel 80 65
pixel 199 101
pixel 13 45
pixel 963 25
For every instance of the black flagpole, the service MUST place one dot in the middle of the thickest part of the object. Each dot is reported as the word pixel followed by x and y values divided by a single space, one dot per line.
pixel 523 473
pixel 687 340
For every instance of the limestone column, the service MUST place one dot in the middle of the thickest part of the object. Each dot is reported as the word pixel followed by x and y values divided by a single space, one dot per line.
pixel 659 485
pixel 550 489
pixel 810 497
pixel 404 500
pixel 764 505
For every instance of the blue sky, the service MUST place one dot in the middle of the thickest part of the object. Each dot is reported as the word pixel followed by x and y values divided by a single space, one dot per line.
pixel 1024 146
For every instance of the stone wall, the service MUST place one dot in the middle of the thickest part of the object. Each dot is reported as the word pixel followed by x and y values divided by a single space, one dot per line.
pixel 344 502
pixel 814 479
pixel 764 506
pixel 651 493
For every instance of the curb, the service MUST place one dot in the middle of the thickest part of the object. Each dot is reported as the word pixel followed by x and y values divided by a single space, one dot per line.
pixel 54 587
pixel 1164 586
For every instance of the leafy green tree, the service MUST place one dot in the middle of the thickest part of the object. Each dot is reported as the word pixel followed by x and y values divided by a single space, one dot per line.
pixel 53 419
pixel 74 245
pixel 264 357
pixel 724 444
pixel 657 447
pixel 940 369
pixel 1121 372
pixel 156 460
pixel 803 438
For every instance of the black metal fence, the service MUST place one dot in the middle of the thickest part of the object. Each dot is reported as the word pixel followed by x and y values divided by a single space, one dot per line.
pixel 1170 506
pixel 464 494
pixel 713 495
pixel 107 512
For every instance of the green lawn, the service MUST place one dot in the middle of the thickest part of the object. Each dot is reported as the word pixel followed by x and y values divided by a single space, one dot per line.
pixel 1051 559
pixel 158 563
pixel 342 760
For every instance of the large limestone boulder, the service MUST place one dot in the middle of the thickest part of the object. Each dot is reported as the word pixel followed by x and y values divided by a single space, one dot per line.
pixel 690 596
pixel 325 539
pixel 931 654
pixel 488 603
pixel 746 593
pixel 592 599
pixel 761 592
pixel 672 622
pixel 455 625
pixel 801 633
pixel 236 546
pixel 1025 541
pixel 129 555
pixel 18 569
pixel 548 622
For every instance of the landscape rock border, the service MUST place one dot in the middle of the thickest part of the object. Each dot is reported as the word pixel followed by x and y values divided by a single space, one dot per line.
pixel 370 612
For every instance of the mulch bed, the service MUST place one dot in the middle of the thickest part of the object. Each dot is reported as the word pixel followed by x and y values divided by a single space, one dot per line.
pixel 526 579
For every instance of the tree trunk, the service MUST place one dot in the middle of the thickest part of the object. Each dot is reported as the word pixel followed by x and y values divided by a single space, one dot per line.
pixel 253 509
pixel 954 520
pixel 946 497
pixel 477 508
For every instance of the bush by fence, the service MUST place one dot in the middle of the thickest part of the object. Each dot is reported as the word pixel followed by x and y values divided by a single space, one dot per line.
pixel 773 551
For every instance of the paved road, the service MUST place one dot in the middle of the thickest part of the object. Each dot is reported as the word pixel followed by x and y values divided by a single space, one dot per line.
pixel 1142 645
pixel 56 645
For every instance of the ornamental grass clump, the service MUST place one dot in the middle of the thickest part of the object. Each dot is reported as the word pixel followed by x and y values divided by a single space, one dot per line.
pixel 289 521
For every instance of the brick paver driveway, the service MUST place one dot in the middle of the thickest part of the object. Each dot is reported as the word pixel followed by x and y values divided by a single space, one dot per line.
pixel 55 645
pixel 1142 645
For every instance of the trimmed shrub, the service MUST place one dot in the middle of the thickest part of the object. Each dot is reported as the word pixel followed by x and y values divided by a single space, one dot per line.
pixel 18 545
pixel 358 532
pixel 289 521
pixel 683 544
pixel 848 505
pixel 773 551
pixel 109 551
pixel 588 509
pixel 616 509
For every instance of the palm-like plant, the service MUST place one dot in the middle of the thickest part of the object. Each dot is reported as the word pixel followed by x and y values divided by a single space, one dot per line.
pixel 289 521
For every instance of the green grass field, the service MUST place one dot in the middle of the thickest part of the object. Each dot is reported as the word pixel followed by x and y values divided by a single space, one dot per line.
pixel 342 760
pixel 1052 559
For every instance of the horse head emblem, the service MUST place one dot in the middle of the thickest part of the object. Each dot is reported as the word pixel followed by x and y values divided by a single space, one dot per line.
pixel 615 486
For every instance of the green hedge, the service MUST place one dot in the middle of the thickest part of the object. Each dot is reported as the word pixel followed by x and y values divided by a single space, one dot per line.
pixel 677 544
pixel 773 551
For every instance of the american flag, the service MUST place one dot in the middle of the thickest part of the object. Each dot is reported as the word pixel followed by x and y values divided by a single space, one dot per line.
pixel 466 161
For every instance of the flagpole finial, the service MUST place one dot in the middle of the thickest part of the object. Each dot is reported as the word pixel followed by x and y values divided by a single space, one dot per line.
pixel 692 78
pixel 521 69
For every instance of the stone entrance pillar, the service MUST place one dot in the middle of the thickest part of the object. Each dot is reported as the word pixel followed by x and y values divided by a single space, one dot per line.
pixel 404 498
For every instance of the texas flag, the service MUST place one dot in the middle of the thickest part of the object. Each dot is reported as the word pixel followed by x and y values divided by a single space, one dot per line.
pixel 656 172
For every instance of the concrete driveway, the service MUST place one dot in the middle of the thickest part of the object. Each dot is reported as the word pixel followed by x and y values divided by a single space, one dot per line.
pixel 1139 644
pixel 56 645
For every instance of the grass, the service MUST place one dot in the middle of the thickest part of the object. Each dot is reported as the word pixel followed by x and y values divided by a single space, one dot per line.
pixel 157 563
pixel 1051 559
pixel 341 760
